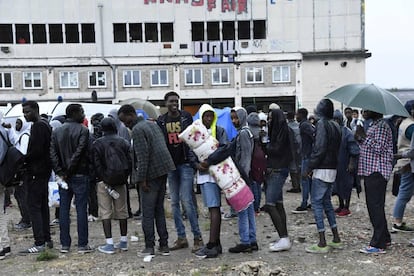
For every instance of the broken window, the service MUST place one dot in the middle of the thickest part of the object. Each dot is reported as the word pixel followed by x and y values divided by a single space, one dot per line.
pixel 213 31
pixel 167 32
pixel 55 33
pixel 22 33
pixel 39 33
pixel 72 33
pixel 243 29
pixel 135 32
pixel 259 29
pixel 97 79
pixel 197 31
pixel 120 33
pixel 151 32
pixel 228 30
pixel 88 33
pixel 6 33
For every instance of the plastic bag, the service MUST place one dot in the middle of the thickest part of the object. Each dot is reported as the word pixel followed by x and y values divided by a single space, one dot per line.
pixel 54 198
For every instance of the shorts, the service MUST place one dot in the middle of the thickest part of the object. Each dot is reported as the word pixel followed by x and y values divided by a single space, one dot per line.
pixel 211 194
pixel 274 186
pixel 110 208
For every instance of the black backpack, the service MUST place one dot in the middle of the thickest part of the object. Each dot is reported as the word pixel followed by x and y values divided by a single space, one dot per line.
pixel 117 169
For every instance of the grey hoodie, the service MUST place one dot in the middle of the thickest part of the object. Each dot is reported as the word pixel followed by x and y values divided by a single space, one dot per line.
pixel 244 142
pixel 253 121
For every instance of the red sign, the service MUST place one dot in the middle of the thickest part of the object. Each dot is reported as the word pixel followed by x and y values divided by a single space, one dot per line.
pixel 239 6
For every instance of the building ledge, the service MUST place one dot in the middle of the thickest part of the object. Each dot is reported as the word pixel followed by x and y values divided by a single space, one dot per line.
pixel 336 54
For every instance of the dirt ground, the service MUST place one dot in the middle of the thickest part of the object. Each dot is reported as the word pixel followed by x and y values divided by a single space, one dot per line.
pixel 355 232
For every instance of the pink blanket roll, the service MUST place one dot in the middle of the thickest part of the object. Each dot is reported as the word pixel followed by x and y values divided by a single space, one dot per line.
pixel 239 196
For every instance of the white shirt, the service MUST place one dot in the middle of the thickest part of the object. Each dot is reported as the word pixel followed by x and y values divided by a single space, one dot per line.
pixel 326 175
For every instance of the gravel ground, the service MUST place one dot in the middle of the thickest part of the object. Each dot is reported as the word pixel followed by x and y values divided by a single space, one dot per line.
pixel 355 231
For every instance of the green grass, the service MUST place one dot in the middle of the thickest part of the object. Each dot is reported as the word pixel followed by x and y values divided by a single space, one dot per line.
pixel 46 255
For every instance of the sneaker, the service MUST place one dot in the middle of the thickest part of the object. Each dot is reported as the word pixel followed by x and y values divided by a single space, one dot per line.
pixel 344 213
pixel 22 226
pixel 317 250
pixel 137 213
pixel 336 245
pixel 35 249
pixel 219 249
pixel 6 251
pixel 92 218
pixel 300 210
pixel 254 246
pixel 402 228
pixel 164 250
pixel 228 216
pixel 54 222
pixel 2 255
pixel 309 207
pixel 179 244
pixel 206 252
pixel 372 250
pixel 198 244
pixel 241 248
pixel 122 245
pixel 49 244
pixel 107 248
pixel 64 249
pixel 85 249
pixel 149 251
pixel 282 245
pixel 294 190
pixel 337 210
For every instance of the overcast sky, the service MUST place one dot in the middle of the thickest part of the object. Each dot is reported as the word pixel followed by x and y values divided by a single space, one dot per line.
pixel 389 27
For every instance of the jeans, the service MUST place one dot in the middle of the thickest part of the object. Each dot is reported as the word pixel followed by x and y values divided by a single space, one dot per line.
pixel 180 183
pixel 321 201
pixel 4 221
pixel 38 201
pixel 152 203
pixel 274 186
pixel 257 193
pixel 375 188
pixel 78 187
pixel 405 193
pixel 306 184
pixel 247 225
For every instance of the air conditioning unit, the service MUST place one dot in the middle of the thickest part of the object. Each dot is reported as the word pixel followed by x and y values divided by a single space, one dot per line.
pixel 5 49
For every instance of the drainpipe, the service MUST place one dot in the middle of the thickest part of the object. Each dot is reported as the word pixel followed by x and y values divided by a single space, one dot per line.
pixel 113 67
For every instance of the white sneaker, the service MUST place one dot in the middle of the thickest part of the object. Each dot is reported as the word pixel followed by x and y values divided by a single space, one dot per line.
pixel 92 218
pixel 282 245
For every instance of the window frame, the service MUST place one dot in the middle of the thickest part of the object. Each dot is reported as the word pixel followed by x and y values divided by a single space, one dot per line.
pixel 90 73
pixel 3 82
pixel 32 80
pixel 193 76
pixel 220 76
pixel 254 70
pixel 280 67
pixel 69 74
pixel 159 78
pixel 132 78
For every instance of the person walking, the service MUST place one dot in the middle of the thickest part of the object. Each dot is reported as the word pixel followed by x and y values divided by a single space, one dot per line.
pixel 210 191
pixel 70 158
pixel 323 162
pixel 153 163
pixel 112 151
pixel 180 180
pixel 279 156
pixel 38 170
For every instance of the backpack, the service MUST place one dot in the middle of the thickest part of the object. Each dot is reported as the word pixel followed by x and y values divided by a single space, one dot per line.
pixel 258 164
pixel 11 165
pixel 117 170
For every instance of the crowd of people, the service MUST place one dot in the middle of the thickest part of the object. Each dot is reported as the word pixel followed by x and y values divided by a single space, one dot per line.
pixel 328 154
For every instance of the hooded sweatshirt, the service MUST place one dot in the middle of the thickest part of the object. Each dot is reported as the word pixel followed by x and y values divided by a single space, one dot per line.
pixel 22 136
pixel 253 121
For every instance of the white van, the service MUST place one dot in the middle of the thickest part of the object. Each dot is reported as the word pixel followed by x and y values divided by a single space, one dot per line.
pixel 54 108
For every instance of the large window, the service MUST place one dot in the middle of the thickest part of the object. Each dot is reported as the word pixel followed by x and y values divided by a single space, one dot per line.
pixel 55 33
pixel 193 77
pixel 159 77
pixel 132 78
pixel 6 33
pixel 6 80
pixel 69 80
pixel 151 32
pixel 135 32
pixel 167 32
pixel 120 32
pixel 228 30
pixel 220 76
pixel 22 33
pixel 243 29
pixel 72 33
pixel 88 33
pixel 213 31
pixel 197 31
pixel 97 79
pixel 254 75
pixel 39 33
pixel 32 80
pixel 259 29
pixel 281 74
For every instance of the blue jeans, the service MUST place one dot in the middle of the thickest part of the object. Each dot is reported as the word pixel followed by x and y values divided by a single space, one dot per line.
pixel 247 225
pixel 274 186
pixel 153 210
pixel 405 193
pixel 257 193
pixel 78 187
pixel 306 184
pixel 180 183
pixel 321 202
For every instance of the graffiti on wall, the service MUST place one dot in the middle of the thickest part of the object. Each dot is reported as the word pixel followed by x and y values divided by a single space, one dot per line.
pixel 215 51
pixel 238 6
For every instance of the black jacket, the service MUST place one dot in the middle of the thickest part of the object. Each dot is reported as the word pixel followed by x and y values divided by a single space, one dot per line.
pixel 69 149
pixel 37 158
pixel 278 149
pixel 307 135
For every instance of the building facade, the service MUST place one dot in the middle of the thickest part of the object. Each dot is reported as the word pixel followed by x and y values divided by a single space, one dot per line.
pixel 223 52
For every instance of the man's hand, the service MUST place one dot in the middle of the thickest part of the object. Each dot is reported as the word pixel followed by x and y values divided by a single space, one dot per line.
pixel 201 168
pixel 204 165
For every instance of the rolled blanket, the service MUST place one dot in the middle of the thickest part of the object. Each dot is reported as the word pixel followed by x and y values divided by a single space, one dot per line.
pixel 239 196
pixel 206 148
pixel 225 173
pixel 195 134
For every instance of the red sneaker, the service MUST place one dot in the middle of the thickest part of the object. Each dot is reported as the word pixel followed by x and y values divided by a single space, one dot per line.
pixel 337 210
pixel 344 213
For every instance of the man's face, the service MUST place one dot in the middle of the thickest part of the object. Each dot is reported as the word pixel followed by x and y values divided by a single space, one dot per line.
pixel 298 117
pixel 235 119
pixel 172 104
pixel 208 118
pixel 355 115
pixel 19 124
pixel 128 119
pixel 348 114
pixel 29 114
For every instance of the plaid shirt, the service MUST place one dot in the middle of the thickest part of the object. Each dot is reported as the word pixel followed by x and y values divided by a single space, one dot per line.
pixel 376 151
